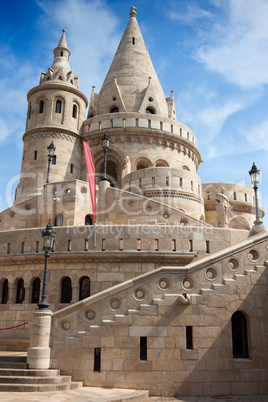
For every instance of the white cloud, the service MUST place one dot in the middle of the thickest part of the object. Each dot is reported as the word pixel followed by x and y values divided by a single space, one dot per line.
pixel 238 49
pixel 256 136
pixel 194 12
pixel 201 108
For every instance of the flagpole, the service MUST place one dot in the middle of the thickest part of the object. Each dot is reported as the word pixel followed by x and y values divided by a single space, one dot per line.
pixel 94 234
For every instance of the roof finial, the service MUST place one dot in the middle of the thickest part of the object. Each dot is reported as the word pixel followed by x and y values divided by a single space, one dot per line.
pixel 133 11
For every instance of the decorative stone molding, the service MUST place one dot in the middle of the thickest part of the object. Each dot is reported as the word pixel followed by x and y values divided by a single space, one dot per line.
pixel 60 134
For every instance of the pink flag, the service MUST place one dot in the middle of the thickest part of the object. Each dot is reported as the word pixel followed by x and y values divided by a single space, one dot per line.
pixel 91 176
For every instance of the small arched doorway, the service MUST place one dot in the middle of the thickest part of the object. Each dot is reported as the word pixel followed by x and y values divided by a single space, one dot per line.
pixel 239 335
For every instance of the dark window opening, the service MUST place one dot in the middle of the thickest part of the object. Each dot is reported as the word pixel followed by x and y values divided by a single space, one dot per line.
pixel 35 291
pixel 61 54
pixel 150 110
pixel 143 348
pixel 88 220
pixel 207 247
pixel 20 291
pixel 97 359
pixel 189 337
pixel 54 160
pixel 35 155
pixel 114 109
pixel 41 106
pixel 71 168
pixel 133 41
pixel 191 249
pixel 74 111
pixel 103 245
pixel 59 220
pixel 66 290
pixel 239 335
pixel 29 112
pixel 58 106
pixel 84 287
pixel 4 298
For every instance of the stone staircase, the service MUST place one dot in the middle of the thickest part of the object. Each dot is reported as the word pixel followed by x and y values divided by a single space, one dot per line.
pixel 16 377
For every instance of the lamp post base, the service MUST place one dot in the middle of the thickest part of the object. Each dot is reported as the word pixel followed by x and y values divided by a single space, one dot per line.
pixel 259 228
pixel 38 354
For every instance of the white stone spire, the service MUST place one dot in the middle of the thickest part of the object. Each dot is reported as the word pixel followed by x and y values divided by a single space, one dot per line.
pixel 60 69
pixel 132 65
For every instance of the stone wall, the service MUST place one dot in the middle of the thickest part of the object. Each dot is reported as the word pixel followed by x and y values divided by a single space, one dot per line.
pixel 159 306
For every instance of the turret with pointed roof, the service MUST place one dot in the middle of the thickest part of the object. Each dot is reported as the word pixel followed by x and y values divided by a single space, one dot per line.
pixel 60 69
pixel 56 111
pixel 132 84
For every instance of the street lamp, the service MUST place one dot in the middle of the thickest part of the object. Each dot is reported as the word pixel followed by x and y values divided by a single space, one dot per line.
pixel 50 153
pixel 48 238
pixel 254 177
pixel 105 145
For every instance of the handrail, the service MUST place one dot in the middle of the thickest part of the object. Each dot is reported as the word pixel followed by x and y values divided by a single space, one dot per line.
pixel 16 326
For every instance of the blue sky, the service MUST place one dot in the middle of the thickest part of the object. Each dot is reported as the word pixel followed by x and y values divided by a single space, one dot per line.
pixel 212 53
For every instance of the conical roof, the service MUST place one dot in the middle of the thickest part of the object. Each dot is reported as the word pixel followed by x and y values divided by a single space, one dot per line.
pixel 61 54
pixel 132 76
pixel 60 69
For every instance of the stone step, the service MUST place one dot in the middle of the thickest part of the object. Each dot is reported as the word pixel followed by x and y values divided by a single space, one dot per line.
pixel 13 358
pixel 206 291
pixel 34 380
pixel 13 365
pixel 29 372
pixel 39 387
pixel 241 278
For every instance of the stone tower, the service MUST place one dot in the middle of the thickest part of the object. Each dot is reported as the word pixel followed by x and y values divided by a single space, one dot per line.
pixel 56 110
pixel 151 153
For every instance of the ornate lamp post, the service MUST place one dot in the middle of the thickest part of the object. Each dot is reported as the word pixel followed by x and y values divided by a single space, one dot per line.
pixel 105 145
pixel 254 177
pixel 50 153
pixel 48 238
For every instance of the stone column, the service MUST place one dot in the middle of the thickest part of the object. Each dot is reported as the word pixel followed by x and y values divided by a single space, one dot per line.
pixel 102 202
pixel 38 354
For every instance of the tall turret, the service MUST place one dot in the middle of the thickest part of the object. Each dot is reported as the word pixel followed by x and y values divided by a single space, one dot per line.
pixel 150 153
pixel 56 110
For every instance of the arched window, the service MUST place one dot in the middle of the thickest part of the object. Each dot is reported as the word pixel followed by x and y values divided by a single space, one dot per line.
pixel 4 298
pixel 150 110
pixel 114 109
pixel 58 107
pixel 161 163
pixel 74 111
pixel 29 111
pixel 66 290
pixel 41 106
pixel 35 291
pixel 59 220
pixel 185 167
pixel 88 220
pixel 20 291
pixel 142 164
pixel 84 287
pixel 239 335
